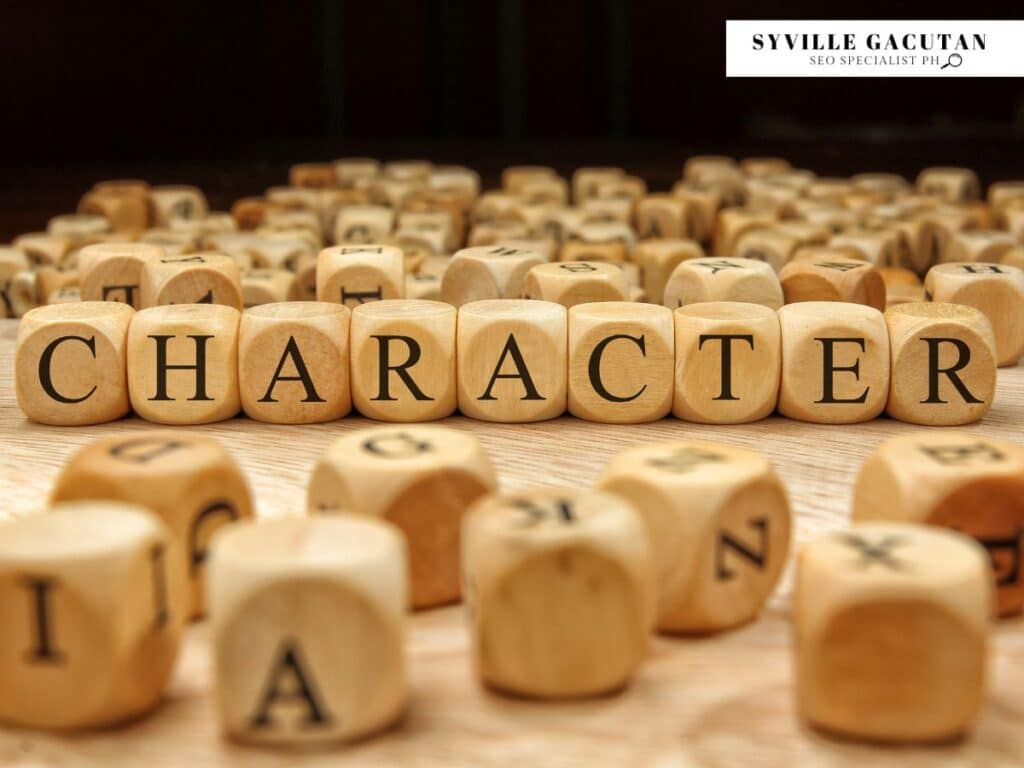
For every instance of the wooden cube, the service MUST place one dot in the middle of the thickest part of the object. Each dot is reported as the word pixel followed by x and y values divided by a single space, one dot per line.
pixel 266 286
pixel 183 363
pixel 702 206
pixel 824 275
pixel 576 282
pixel 350 170
pixel 357 274
pixel 585 181
pixel 69 363
pixel 953 185
pixel 941 227
pixel 92 609
pixel 879 246
pixel 728 360
pixel 424 286
pixel 360 224
pixel 662 216
pixel 49 280
pixel 891 624
pixel 308 629
pixel 173 242
pixel 774 246
pixel 515 176
pixel 835 362
pixel 995 289
pixel 67 295
pixel 512 360
pixel 19 293
pixel 250 212
pixel 496 233
pixel 903 294
pixel 620 362
pixel 403 360
pixel 696 281
pixel 657 260
pixel 44 248
pixel 127 211
pixel 78 227
pixel 420 478
pixel 759 167
pixel 552 190
pixel 943 363
pixel 171 201
pixel 113 271
pixel 316 175
pixel 700 167
pixel 733 222
pixel 196 278
pixel 559 591
pixel 487 272
pixel 981 245
pixel 719 525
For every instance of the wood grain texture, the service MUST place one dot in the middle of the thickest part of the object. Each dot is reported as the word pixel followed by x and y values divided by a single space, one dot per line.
pixel 725 700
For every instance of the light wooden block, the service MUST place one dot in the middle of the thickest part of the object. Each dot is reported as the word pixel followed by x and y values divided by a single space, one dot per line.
pixel 702 206
pixel 126 211
pixel 487 272
pixel 903 294
pixel 360 224
pixel 77 226
pixel 658 259
pixel 891 185
pixel 294 198
pixel 266 286
pixel 183 363
pixel 424 286
pixel 175 201
pixel 462 184
pixel 759 167
pixel 44 248
pixel 250 212
pixel 434 227
pixel 113 271
pixel 942 224
pixel 514 177
pixel 553 190
pixel 316 175
pixel 213 222
pixel 403 360
pixel 981 245
pixel 880 246
pixel 575 282
pixel 67 295
pixel 304 268
pixel 358 274
pixel 824 275
pixel 92 609
pixel 512 360
pixel 585 181
pixel 559 591
pixel 733 222
pixel 348 171
pixel 719 524
pixel 196 278
pixel 835 362
pixel 50 279
pixel 700 167
pixel 953 185
pixel 613 252
pixel 893 276
pixel 662 216
pixel 891 625
pixel 696 281
pixel 173 242
pixel 20 293
pixel 728 360
pixel 617 209
pixel 308 629
pixel 772 245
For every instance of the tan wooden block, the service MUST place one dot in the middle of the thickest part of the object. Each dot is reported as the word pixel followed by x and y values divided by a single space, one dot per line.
pixel 914 248
pixel 457 180
pixel 19 293
pixel 68 295
pixel 893 276
pixel 437 227
pixel 44 248
pixel 496 231
pixel 1013 219
pixel 250 212
pixel 575 282
pixel 12 262
pixel 891 625
pixel 279 253
pixel 308 629
pixel 123 186
pixel 954 185
pixel 512 360
pixel 559 224
pixel 772 245
pixel 981 245
pixel 423 286
pixel 173 242
pixel 611 252
pixel 50 279
pixel 585 181
pixel 420 478
pixel 266 286
pixel 835 362
pixel 295 198
pixel 880 247
pixel 995 289
pixel 358 274
pixel 546 247
pixel 313 242
pixel 831 189
pixel 606 232
pixel 890 185
pixel 113 271
pixel 187 480
pixel 415 250
pixel 942 224
pixel 300 223
pixel 733 222
pixel 304 267
pixel 624 187
pixel 822 274
pixel 699 167
pixel 183 363
pixel 195 278
pixel 662 216
pixel 496 205
pixel 92 610
pixel 434 265
pixel 209 223
pixel 620 362
pixel 358 224
pixel 696 281
pixel 658 259
pixel 403 360
pixel 331 201
pixel 77 226
pixel 514 177
pixel 702 206
pixel 559 590
pixel 316 175
pixel 349 170
pixel 719 524
pixel 69 363
pixel 729 184
pixel 124 210
pixel 407 169
pixel 607 209
pixel 1002 194
pixel 769 196
pixel 759 167
pixel 943 363
pixel 394 193
pixel 728 359
pixel 904 294
pixel 827 214
pixel 1014 258
pixel 487 272
pixel 553 190
pixel 181 201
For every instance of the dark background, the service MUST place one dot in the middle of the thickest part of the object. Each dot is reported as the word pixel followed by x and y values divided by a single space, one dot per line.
pixel 226 94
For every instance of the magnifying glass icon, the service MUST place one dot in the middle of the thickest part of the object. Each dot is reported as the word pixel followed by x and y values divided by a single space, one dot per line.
pixel 954 60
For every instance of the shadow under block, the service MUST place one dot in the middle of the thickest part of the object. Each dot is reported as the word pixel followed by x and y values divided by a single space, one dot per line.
pixel 958 480
pixel 487 272
pixel 719 525
pixel 727 362
pixel 293 362
pixel 420 478
pixel 359 274
pixel 835 362
pixel 513 360
pixel 113 271
pixel 92 610
pixel 620 362
pixel 576 282
pixel 818 274
pixel 891 632
pixel 559 591
pixel 308 629
pixel 403 360
pixel 70 363
pixel 183 363
pixel 194 278
pixel 696 281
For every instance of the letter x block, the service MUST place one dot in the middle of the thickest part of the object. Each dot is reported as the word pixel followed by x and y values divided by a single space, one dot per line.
pixel 358 274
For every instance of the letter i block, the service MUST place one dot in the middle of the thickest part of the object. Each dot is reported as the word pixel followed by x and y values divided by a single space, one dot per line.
pixel 728 360
pixel 943 363
pixel 189 481
pixel 183 363
pixel 835 362
pixel 620 362
pixel 422 479
pixel 702 280
pixel 891 625
pixel 559 591
pixel 69 363
pixel 293 362
pixel 954 479
pixel 513 360
pixel 308 629
pixel 113 271
pixel 403 360
pixel 487 272
pixel 357 274
pixel 719 524
pixel 195 278
pixel 92 611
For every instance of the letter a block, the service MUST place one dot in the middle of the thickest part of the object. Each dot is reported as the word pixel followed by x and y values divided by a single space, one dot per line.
pixel 357 274
pixel 954 479
pixel 308 629
pixel 70 363
pixel 92 611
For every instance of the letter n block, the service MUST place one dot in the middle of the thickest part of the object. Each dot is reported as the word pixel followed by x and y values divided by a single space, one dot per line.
pixel 358 274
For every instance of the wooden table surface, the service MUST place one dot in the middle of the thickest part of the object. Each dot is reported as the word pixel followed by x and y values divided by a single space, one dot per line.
pixel 725 700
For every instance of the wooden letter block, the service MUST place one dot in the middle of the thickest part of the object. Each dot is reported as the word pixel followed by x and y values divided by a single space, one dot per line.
pixel 308 629
pixel 891 625
pixel 70 363
pixel 733 222
pixel 835 362
pixel 953 185
pixel 196 278
pixel 420 478
pixel 125 210
pixel 943 363
pixel 825 275
pixel 78 227
pixel 50 280
pixel 293 362
pixel 661 216
pixel 576 282
pixel 696 281
pixel 559 590
pixel 958 480
pixel 728 360
pixel 183 363
pixel 620 362
pixel 92 609
pixel 719 525
pixel 403 360
pixel 316 175
pixel 512 360
pixel 266 286
pixel 360 224
pixel 612 252
pixel 981 245
pixel 357 274
pixel 176 202
pixel 487 272
pixel 113 271
pixel 658 259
